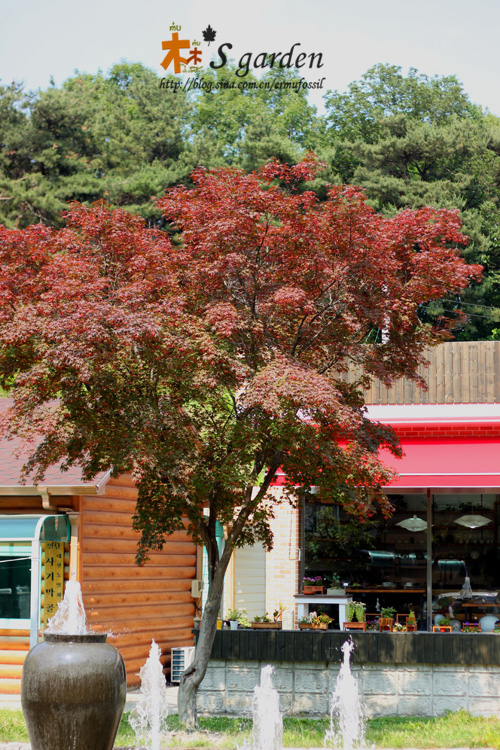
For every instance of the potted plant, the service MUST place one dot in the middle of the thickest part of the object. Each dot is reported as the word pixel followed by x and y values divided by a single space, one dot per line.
pixel 312 585
pixel 399 628
pixel 443 625
pixel 335 588
pixel 278 612
pixel 355 610
pixel 234 616
pixel 411 621
pixel 360 611
pixel 386 621
pixel 314 621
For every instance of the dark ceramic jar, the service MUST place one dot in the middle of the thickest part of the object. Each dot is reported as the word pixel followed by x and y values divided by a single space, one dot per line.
pixel 73 693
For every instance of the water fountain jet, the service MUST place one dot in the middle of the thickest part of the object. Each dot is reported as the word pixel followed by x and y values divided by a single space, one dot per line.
pixel 70 618
pixel 267 733
pixel 148 718
pixel 347 723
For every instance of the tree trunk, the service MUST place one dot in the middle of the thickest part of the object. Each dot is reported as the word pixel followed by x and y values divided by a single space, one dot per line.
pixel 195 673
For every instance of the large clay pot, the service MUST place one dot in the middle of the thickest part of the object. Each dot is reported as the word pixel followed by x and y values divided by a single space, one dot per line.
pixel 488 622
pixel 73 693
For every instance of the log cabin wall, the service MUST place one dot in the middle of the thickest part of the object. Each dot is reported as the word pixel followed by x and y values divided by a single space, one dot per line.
pixel 135 603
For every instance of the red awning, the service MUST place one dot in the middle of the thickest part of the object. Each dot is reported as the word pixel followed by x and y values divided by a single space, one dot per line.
pixel 446 463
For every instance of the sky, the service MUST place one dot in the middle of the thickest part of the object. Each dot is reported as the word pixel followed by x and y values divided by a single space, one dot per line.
pixel 40 39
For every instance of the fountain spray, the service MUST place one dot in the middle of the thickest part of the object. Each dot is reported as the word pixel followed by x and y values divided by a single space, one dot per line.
pixel 148 718
pixel 70 617
pixel 347 724
pixel 267 733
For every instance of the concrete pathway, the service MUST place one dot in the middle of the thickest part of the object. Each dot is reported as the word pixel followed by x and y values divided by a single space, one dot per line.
pixel 133 697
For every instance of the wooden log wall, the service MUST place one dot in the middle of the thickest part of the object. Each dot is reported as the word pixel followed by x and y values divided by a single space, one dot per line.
pixel 135 603
pixel 458 372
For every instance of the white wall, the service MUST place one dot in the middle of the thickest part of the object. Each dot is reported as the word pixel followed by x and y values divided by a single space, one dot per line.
pixel 250 580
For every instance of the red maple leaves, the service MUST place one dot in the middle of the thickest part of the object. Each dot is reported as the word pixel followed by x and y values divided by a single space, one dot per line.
pixel 202 361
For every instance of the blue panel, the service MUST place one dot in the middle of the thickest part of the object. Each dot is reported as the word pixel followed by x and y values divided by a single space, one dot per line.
pixel 52 529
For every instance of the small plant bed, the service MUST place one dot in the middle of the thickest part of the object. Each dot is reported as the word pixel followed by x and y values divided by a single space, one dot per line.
pixel 264 622
pixel 335 587
pixel 313 585
pixel 314 621
pixel 470 627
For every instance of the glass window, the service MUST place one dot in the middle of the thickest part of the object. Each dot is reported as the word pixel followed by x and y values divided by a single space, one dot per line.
pixel 15 588
pixel 384 561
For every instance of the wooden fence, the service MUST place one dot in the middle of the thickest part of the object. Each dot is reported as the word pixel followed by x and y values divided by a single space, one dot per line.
pixel 464 372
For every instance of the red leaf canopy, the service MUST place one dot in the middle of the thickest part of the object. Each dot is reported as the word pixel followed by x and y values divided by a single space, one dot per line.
pixel 206 361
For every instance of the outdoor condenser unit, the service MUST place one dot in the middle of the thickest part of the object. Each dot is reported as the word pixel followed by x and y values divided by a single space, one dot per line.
pixel 181 658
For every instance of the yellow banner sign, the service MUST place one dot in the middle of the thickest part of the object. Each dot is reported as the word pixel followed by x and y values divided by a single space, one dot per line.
pixel 54 577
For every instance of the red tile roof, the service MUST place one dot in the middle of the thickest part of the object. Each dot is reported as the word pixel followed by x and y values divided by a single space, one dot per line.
pixel 12 461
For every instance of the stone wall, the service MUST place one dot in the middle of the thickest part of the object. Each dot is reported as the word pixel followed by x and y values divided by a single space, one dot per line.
pixel 386 690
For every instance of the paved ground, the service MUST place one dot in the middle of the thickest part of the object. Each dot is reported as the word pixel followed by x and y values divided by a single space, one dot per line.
pixel 133 696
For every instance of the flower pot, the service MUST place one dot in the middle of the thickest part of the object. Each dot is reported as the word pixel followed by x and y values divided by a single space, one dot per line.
pixel 266 625
pixel 73 692
pixel 233 624
pixel 386 623
pixel 335 592
pixel 355 626
pixel 312 626
pixel 313 589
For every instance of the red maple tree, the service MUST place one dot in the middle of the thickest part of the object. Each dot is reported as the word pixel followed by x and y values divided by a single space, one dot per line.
pixel 205 362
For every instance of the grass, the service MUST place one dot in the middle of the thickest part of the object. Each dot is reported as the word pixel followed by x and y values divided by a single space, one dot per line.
pixel 12 726
pixel 452 730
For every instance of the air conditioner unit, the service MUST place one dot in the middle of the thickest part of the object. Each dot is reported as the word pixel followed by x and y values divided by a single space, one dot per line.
pixel 181 658
pixel 196 588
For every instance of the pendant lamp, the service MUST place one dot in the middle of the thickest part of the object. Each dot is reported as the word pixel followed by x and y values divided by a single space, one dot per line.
pixel 413 524
pixel 473 521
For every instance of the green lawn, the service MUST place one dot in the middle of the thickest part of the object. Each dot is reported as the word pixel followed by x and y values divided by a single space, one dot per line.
pixel 453 730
